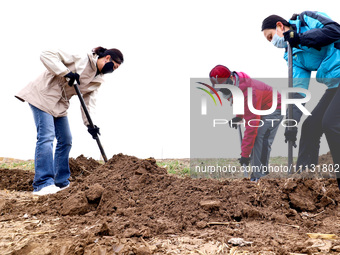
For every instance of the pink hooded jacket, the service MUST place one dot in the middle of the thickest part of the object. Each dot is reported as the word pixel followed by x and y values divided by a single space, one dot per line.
pixel 262 100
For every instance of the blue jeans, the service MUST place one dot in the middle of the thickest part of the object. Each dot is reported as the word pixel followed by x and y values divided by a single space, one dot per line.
pixel 49 170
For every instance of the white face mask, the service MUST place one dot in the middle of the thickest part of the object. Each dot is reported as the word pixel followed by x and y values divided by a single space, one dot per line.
pixel 278 41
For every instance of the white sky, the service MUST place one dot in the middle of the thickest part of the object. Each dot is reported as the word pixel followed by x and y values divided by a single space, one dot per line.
pixel 143 107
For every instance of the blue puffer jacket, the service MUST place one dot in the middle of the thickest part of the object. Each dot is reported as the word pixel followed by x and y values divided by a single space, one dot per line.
pixel 319 49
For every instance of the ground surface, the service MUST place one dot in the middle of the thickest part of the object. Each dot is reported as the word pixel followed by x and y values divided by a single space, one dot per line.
pixel 133 206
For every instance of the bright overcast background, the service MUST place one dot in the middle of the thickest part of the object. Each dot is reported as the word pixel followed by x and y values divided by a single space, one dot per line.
pixel 143 107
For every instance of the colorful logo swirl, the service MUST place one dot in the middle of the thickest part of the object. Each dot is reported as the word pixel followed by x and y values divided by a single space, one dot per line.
pixel 212 89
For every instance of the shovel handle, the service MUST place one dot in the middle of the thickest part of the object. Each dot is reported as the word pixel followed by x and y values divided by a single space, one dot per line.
pixel 89 120
pixel 290 106
pixel 245 173
pixel 82 102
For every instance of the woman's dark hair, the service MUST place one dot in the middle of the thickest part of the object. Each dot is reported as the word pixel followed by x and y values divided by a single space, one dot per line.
pixel 115 54
pixel 270 22
pixel 294 17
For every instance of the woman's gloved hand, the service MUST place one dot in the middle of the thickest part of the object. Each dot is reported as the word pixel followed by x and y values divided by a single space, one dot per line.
pixel 72 77
pixel 244 161
pixel 94 131
pixel 290 135
pixel 292 37
pixel 233 122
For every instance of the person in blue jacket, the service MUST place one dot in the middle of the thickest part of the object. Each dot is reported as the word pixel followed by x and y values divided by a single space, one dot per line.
pixel 315 39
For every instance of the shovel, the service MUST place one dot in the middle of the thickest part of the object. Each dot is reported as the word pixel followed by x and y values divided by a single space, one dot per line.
pixel 75 85
pixel 245 173
pixel 290 106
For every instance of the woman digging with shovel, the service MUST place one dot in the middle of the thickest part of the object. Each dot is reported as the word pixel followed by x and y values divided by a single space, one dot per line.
pixel 48 97
pixel 315 39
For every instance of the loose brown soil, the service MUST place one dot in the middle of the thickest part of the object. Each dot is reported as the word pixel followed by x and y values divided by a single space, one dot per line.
pixel 326 158
pixel 132 206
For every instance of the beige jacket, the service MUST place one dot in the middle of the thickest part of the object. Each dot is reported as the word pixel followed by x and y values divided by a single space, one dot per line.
pixel 50 91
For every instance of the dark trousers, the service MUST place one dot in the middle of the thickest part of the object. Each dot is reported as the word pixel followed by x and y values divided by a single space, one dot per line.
pixel 325 119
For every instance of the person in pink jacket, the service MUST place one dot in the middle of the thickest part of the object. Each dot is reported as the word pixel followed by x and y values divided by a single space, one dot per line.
pixel 259 135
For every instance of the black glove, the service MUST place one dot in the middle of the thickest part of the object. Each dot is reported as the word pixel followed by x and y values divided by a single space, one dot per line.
pixel 290 135
pixel 73 77
pixel 94 131
pixel 292 37
pixel 244 161
pixel 233 124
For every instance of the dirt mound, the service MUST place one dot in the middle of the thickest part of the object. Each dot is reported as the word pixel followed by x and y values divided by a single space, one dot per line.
pixel 133 199
pixel 15 179
pixel 82 166
pixel 326 159
pixel 19 180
